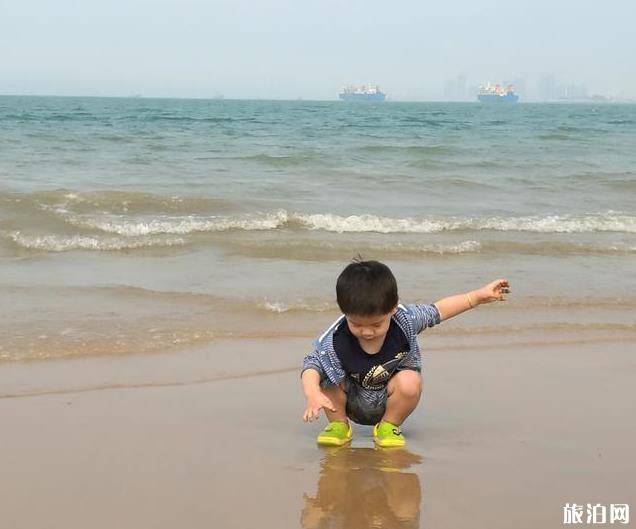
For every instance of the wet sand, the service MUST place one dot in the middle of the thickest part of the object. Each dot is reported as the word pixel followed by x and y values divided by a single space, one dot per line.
pixel 213 438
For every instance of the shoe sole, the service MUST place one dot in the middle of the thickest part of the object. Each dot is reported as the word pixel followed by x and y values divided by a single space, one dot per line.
pixel 389 443
pixel 332 441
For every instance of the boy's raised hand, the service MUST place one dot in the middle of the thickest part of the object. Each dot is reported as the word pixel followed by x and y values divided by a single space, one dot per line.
pixel 495 291
pixel 315 402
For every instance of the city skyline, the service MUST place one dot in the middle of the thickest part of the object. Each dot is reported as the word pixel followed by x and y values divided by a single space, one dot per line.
pixel 283 49
pixel 546 88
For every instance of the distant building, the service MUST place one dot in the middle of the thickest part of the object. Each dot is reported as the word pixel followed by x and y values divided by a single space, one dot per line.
pixel 546 88
pixel 572 91
pixel 460 85
pixel 449 90
pixel 455 89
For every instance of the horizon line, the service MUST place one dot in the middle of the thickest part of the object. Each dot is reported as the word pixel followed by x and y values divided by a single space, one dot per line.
pixel 312 100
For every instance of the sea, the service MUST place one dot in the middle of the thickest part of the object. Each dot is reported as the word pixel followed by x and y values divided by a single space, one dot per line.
pixel 138 225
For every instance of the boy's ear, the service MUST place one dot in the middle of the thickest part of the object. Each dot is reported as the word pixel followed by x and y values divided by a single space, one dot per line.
pixel 394 310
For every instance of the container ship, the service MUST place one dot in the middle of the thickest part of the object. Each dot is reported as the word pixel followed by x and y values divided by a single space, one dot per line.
pixel 497 94
pixel 367 92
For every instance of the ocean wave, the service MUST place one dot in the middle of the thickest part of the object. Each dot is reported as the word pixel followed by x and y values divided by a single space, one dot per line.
pixel 280 307
pixel 342 249
pixel 604 178
pixel 367 223
pixel 558 247
pixel 421 121
pixel 113 201
pixel 180 225
pixel 602 222
pixel 621 122
pixel 61 243
pixel 622 184
pixel 608 222
pixel 407 149
pixel 280 160
pixel 556 136
pixel 326 250
pixel 179 118
pixel 136 213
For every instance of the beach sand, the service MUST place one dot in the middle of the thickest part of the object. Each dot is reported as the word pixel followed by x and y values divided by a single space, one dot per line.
pixel 212 437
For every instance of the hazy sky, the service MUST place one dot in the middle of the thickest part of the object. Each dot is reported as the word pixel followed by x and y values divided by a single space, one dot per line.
pixel 309 49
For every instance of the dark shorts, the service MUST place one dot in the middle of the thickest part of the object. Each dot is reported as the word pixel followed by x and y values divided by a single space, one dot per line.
pixel 365 406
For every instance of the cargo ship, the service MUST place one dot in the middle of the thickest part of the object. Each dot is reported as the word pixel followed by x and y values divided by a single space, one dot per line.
pixel 369 92
pixel 497 94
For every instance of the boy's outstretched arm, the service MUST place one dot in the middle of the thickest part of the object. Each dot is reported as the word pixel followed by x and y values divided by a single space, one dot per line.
pixel 454 305
pixel 316 399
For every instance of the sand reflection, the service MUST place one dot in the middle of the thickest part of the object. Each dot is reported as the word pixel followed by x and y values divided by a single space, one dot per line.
pixel 364 488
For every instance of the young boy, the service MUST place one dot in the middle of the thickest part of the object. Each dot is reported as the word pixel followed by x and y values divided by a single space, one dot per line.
pixel 366 366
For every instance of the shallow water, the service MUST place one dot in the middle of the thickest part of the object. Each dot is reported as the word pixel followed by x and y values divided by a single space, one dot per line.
pixel 140 224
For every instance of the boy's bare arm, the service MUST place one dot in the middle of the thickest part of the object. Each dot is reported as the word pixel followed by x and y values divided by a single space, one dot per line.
pixel 311 381
pixel 454 305
pixel 316 399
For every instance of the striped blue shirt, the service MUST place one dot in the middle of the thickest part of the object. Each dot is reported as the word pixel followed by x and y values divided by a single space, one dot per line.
pixel 412 319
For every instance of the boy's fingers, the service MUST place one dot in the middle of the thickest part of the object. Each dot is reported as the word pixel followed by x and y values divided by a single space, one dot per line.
pixel 311 415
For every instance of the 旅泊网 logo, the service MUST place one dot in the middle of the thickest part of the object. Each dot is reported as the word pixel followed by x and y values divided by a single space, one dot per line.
pixel 597 514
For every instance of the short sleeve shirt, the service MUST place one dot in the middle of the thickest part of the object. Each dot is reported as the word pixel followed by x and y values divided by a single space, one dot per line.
pixel 371 371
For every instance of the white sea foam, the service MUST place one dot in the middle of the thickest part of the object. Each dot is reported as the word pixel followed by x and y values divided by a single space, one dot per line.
pixel 368 223
pixel 183 225
pixel 179 225
pixel 609 221
pixel 61 243
pixel 462 247
pixel 411 248
pixel 281 307
pixel 275 306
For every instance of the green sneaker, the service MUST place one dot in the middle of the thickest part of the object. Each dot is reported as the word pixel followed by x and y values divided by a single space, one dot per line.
pixel 388 435
pixel 336 433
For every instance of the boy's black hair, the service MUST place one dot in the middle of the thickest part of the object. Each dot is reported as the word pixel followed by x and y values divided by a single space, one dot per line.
pixel 366 288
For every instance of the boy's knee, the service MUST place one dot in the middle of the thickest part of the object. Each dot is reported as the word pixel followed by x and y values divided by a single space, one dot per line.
pixel 407 383
pixel 336 391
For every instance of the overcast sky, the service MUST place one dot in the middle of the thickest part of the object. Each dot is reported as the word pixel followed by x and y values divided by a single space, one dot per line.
pixel 310 49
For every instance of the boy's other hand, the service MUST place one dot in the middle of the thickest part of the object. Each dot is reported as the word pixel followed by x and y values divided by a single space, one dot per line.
pixel 495 291
pixel 315 403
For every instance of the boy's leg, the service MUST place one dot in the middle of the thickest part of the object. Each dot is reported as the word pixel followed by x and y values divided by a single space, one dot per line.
pixel 338 398
pixel 338 432
pixel 404 389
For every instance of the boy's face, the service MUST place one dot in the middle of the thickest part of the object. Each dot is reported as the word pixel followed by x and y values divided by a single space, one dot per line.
pixel 370 328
